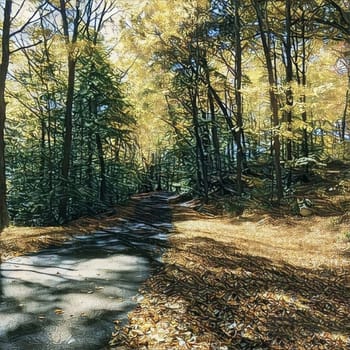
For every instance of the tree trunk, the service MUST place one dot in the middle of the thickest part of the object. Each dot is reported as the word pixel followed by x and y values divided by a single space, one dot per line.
pixel 67 145
pixel 89 168
pixel 68 118
pixel 199 146
pixel 5 58
pixel 216 142
pixel 289 75
pixel 273 99
pixel 305 142
pixel 289 78
pixel 238 98
pixel 345 113
pixel 103 179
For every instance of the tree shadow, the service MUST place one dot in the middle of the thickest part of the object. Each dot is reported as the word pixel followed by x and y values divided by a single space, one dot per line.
pixel 34 288
pixel 250 302
pixel 43 313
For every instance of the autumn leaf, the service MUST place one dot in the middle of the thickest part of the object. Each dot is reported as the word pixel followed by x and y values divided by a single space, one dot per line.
pixel 59 311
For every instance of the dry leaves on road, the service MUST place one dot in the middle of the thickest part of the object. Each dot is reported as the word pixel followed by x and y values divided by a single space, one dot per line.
pixel 211 295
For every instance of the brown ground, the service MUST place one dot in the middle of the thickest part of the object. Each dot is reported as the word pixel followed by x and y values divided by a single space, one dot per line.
pixel 246 283
pixel 250 282
pixel 16 241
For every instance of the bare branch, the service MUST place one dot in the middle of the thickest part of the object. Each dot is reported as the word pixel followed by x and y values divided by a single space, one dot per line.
pixel 26 47
pixel 18 11
pixel 31 20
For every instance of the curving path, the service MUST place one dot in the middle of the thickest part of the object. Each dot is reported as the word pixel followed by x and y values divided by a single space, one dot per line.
pixel 67 297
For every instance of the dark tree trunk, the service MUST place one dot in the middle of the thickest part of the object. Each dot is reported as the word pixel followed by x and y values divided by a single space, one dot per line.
pixel 103 179
pixel 345 113
pixel 67 144
pixel 289 78
pixel 68 118
pixel 238 97
pixel 5 58
pixel 199 146
pixel 89 169
pixel 300 75
pixel 216 143
pixel 273 98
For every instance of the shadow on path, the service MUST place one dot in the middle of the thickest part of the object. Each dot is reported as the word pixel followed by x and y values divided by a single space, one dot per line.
pixel 211 295
pixel 67 296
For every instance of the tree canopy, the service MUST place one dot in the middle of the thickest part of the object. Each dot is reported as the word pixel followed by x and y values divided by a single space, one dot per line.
pixel 100 99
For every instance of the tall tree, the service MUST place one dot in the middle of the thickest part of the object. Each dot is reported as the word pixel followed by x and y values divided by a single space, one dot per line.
pixel 341 22
pixel 267 37
pixel 334 15
pixel 289 75
pixel 301 72
pixel 5 59
pixel 238 92
pixel 70 36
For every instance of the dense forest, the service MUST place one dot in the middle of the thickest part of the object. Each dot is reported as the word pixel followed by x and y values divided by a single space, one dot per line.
pixel 100 99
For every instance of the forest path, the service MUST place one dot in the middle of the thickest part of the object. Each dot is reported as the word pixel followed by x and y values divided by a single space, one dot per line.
pixel 67 296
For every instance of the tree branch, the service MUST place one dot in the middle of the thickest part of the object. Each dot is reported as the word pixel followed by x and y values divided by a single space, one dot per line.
pixel 26 47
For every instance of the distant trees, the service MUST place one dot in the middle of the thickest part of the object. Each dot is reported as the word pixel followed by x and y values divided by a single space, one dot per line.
pixel 69 135
pixel 336 16
pixel 201 96
pixel 243 89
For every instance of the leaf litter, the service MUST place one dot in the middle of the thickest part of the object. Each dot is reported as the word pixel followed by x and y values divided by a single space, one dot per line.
pixel 209 294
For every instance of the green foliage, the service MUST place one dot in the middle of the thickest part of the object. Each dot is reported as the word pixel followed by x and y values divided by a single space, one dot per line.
pixel 347 235
pixel 101 171
pixel 186 113
pixel 233 207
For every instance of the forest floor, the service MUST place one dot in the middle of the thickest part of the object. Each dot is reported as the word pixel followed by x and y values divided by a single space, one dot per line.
pixel 18 240
pixel 263 278
pixel 249 282
pixel 260 280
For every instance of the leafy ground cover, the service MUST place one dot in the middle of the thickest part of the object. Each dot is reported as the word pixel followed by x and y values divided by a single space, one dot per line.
pixel 254 281
pixel 16 240
pixel 250 282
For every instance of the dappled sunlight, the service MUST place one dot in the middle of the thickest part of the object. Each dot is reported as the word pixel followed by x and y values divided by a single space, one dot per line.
pixel 62 291
pixel 308 242
pixel 70 294
pixel 184 161
pixel 220 289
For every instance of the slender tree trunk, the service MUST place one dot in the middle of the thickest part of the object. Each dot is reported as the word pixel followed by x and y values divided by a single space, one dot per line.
pixel 50 97
pixel 238 97
pixel 67 145
pixel 43 149
pixel 199 146
pixel 68 118
pixel 289 78
pixel 305 141
pixel 273 98
pixel 89 169
pixel 214 128
pixel 103 179
pixel 345 113
pixel 216 143
pixel 347 95
pixel 5 58
pixel 159 171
